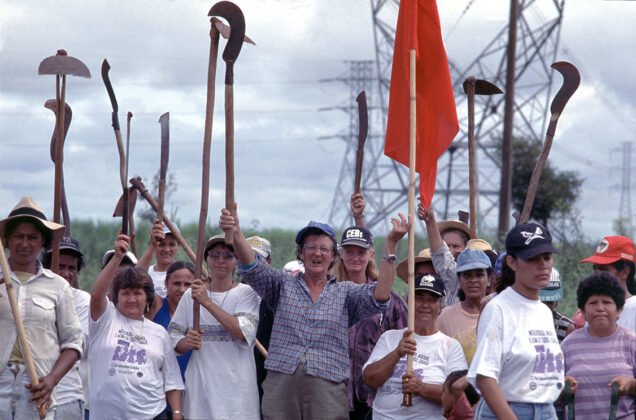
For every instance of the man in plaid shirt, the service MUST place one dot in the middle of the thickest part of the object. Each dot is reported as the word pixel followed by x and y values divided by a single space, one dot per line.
pixel 308 361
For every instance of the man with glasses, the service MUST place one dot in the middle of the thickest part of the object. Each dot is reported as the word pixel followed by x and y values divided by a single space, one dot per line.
pixel 308 360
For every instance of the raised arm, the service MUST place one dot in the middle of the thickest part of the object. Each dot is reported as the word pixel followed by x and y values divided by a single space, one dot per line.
pixel 387 268
pixel 357 208
pixel 106 276
pixel 156 236
pixel 434 237
pixel 229 224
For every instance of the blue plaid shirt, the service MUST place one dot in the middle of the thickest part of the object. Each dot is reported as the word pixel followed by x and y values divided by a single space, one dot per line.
pixel 318 331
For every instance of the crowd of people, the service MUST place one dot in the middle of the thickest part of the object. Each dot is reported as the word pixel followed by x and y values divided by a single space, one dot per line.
pixel 153 341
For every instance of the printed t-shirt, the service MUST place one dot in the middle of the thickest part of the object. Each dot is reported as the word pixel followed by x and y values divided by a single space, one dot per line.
pixel 594 362
pixel 221 375
pixel 158 280
pixel 627 318
pixel 130 373
pixel 437 356
pixel 518 347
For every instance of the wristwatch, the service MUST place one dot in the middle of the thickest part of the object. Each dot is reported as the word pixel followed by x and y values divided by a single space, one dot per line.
pixel 389 257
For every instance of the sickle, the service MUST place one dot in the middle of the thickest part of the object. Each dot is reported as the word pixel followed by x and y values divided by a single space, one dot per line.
pixel 571 81
pixel 123 170
pixel 233 14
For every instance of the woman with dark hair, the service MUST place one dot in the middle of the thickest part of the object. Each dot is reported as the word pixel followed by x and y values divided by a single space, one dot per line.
pixel 460 320
pixel 133 365
pixel 355 263
pixel 602 353
pixel 179 278
pixel 518 365
pixel 48 314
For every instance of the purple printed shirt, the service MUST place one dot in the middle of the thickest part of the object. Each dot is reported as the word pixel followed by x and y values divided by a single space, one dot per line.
pixel 363 337
pixel 594 362
pixel 304 329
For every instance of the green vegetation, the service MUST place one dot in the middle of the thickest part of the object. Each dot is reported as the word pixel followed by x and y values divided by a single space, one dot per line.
pixel 97 237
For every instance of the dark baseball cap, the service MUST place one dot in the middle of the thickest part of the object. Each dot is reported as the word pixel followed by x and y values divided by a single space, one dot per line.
pixel 315 227
pixel 357 236
pixel 430 283
pixel 529 239
pixel 68 244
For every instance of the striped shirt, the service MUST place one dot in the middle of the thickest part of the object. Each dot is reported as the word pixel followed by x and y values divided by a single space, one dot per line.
pixel 594 362
pixel 316 332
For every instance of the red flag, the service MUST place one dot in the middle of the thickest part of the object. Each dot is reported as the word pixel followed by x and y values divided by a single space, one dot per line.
pixel 418 27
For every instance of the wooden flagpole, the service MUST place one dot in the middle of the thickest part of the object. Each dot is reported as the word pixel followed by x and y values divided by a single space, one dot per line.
pixel 411 248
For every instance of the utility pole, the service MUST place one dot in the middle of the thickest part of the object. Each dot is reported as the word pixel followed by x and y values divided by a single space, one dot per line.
pixel 505 192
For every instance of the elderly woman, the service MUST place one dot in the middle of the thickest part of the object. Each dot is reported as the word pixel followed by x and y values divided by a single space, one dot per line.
pixel 308 360
pixel 48 313
pixel 601 353
pixel 133 365
pixel 355 263
pixel 221 374
pixel 518 365
pixel 435 356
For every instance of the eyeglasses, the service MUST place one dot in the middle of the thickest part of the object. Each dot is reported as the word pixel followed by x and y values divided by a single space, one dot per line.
pixel 225 255
pixel 312 248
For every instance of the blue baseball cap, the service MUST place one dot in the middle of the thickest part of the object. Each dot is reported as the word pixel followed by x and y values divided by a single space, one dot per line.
pixel 312 227
pixel 471 259
pixel 553 292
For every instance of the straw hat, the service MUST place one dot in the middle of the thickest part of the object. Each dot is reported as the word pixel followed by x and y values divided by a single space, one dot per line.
pixel 453 224
pixel 479 245
pixel 27 209
pixel 402 268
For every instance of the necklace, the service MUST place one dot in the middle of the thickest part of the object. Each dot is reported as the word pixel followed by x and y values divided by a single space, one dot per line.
pixel 140 336
pixel 224 297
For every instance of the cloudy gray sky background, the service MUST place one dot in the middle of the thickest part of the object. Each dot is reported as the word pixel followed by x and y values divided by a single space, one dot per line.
pixel 158 51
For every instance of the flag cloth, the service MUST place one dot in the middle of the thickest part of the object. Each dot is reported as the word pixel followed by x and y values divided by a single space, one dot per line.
pixel 418 28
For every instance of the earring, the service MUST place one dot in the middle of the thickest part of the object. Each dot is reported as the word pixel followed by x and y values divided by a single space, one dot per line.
pixel 147 307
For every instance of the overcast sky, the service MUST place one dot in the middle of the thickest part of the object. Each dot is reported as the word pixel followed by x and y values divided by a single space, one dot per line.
pixel 285 176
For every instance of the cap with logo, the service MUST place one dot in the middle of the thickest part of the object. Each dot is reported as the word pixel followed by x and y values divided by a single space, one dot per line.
pixel 472 259
pixel 612 249
pixel 319 228
pixel 260 245
pixel 553 292
pixel 430 283
pixel 528 240
pixel 68 244
pixel 357 236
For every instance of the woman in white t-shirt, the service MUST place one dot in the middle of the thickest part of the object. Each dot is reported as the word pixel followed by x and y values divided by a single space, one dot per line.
pixel 134 368
pixel 518 365
pixel 221 374
pixel 435 355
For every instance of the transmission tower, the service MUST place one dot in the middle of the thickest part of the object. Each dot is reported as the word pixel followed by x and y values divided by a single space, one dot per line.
pixel 625 213
pixel 386 182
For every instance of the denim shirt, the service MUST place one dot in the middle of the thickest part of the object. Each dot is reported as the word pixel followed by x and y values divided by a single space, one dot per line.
pixel 47 309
